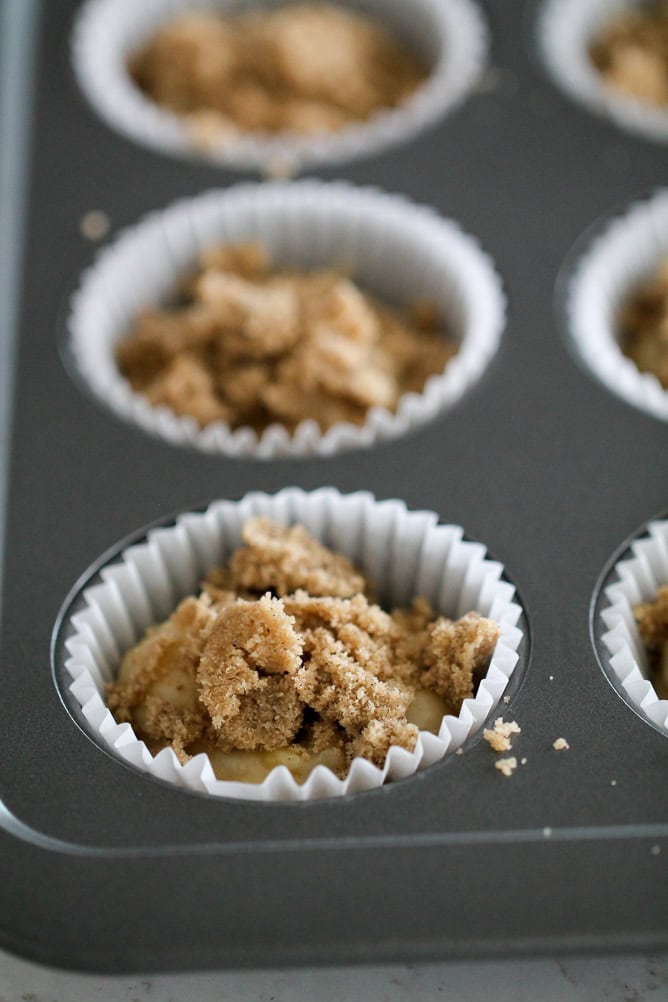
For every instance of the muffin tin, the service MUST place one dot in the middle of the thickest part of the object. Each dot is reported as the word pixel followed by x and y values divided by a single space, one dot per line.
pixel 109 869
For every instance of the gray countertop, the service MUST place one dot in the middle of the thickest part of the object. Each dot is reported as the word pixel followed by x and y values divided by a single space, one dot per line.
pixel 575 979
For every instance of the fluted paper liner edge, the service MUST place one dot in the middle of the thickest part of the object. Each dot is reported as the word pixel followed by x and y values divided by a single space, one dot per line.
pixel 625 254
pixel 393 247
pixel 565 29
pixel 452 36
pixel 406 553
pixel 638 579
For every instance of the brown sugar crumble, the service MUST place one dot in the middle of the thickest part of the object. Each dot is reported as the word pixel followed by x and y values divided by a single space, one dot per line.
pixel 652 620
pixel 284 659
pixel 643 326
pixel 631 53
pixel 303 68
pixel 252 347
pixel 561 744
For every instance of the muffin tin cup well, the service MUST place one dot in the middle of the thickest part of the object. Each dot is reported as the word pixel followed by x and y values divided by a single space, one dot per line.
pixel 395 249
pixel 405 553
pixel 450 36
pixel 565 30
pixel 635 579
pixel 624 253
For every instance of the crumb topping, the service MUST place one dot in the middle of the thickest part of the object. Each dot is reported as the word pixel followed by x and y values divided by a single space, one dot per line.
pixel 652 621
pixel 631 53
pixel 288 560
pixel 643 326
pixel 284 660
pixel 465 647
pixel 251 346
pixel 499 736
pixel 303 68
pixel 506 766
pixel 561 744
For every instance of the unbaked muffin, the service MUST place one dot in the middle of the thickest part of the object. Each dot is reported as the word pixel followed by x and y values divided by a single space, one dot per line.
pixel 252 346
pixel 303 68
pixel 643 325
pixel 631 53
pixel 652 620
pixel 284 658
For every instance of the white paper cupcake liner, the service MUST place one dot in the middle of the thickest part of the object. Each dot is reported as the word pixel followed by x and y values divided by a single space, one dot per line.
pixel 565 30
pixel 451 36
pixel 397 250
pixel 639 578
pixel 406 553
pixel 626 253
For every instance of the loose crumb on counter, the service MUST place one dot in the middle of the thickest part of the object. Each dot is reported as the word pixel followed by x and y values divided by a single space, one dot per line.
pixel 250 346
pixel 284 658
pixel 506 766
pixel 561 744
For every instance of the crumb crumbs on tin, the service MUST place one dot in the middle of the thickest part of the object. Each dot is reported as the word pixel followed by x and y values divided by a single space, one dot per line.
pixel 94 225
pixel 499 736
pixel 523 761
pixel 280 168
pixel 506 699
pixel 547 832
pixel 561 744
pixel 613 782
pixel 506 766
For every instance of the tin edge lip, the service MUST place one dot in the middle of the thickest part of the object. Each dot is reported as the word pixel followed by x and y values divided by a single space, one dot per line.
pixel 20 42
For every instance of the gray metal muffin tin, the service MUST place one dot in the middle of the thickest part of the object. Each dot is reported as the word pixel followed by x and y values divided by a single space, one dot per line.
pixel 104 868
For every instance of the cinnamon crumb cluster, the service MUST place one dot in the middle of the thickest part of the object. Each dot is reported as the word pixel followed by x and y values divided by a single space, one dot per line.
pixel 643 326
pixel 302 68
pixel 652 620
pixel 499 737
pixel 251 346
pixel 631 54
pixel 285 659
